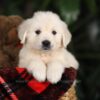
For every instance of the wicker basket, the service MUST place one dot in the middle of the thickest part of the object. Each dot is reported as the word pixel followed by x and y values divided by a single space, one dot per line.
pixel 70 94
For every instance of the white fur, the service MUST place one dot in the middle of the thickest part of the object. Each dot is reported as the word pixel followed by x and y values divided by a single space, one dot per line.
pixel 41 63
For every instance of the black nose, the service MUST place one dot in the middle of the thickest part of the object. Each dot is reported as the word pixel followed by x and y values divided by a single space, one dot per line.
pixel 46 43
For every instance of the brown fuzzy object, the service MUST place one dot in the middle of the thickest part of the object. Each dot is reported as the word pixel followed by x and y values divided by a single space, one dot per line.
pixel 9 40
pixel 4 59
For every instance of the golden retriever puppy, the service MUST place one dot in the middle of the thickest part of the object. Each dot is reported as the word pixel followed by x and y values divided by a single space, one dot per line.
pixel 45 37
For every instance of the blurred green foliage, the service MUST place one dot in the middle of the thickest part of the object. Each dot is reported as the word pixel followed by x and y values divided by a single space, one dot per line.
pixel 83 18
pixel 68 9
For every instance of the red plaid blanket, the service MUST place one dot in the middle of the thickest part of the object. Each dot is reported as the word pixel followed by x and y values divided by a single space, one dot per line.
pixel 18 84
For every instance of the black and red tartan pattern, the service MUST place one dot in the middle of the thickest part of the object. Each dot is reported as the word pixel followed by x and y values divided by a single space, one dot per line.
pixel 18 84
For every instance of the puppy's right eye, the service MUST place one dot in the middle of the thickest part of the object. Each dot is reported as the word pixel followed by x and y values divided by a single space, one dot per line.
pixel 37 32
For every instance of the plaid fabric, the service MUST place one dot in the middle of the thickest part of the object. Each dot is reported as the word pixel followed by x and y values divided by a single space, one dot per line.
pixel 18 84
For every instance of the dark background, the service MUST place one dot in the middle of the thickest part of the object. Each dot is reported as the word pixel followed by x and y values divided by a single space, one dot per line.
pixel 83 19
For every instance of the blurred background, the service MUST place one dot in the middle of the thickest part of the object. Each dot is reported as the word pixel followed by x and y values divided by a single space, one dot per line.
pixel 83 19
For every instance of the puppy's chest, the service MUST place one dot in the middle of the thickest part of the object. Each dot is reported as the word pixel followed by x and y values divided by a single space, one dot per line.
pixel 46 58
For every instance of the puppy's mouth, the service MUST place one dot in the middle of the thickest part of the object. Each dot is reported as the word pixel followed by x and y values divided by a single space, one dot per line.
pixel 46 48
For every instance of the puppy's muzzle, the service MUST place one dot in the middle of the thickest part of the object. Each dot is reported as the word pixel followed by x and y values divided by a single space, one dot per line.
pixel 46 45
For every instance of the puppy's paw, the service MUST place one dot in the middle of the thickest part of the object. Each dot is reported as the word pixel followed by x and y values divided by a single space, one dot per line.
pixel 54 72
pixel 38 70
pixel 39 74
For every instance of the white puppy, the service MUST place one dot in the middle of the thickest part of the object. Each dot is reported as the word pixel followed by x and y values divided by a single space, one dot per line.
pixel 45 37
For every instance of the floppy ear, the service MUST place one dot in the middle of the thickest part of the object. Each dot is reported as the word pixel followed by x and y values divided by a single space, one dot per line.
pixel 66 38
pixel 23 30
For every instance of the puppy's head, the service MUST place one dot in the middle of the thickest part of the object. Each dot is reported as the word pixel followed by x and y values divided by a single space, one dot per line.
pixel 44 31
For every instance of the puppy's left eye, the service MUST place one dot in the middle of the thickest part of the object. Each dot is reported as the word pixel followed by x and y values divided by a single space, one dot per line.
pixel 54 32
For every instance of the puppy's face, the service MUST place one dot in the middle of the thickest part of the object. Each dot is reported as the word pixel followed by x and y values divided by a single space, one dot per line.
pixel 45 35
pixel 45 31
